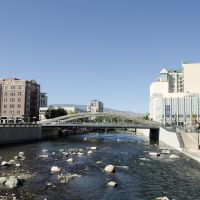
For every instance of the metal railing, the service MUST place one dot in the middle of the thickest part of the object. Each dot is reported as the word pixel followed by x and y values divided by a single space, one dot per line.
pixel 11 125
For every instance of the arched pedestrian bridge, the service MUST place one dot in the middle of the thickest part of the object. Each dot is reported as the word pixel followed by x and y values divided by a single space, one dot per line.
pixel 104 120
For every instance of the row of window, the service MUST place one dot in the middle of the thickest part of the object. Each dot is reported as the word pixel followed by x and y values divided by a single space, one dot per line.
pixel 11 112
pixel 12 93
pixel 12 106
pixel 13 87
pixel 12 100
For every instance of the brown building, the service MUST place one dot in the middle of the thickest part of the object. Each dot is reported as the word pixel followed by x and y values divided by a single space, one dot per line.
pixel 19 99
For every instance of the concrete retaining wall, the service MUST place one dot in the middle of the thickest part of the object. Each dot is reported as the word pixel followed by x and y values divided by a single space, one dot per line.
pixel 50 133
pixel 17 134
pixel 169 138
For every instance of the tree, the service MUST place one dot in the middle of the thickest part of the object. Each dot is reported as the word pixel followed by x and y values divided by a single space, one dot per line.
pixel 53 113
pixel 146 117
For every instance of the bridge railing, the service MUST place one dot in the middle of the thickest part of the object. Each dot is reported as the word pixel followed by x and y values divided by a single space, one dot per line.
pixel 29 125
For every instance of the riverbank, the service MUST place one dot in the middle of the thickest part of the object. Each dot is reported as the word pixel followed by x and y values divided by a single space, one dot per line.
pixel 171 139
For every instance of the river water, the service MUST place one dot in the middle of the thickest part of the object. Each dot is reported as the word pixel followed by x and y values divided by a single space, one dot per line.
pixel 138 175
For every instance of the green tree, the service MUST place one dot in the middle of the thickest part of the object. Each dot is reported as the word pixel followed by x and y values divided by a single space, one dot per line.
pixel 53 113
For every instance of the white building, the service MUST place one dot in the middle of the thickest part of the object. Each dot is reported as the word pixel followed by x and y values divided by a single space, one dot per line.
pixel 95 106
pixel 175 96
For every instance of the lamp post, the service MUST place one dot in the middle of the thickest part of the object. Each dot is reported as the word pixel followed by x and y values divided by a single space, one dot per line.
pixel 34 120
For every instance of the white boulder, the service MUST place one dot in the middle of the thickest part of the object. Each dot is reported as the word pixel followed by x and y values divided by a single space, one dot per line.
pixel 17 165
pixel 3 180
pixel 12 162
pixel 70 160
pixel 21 154
pixel 110 168
pixel 173 156
pixel 154 154
pixel 112 184
pixel 55 169
pixel 93 148
pixel 12 182
pixel 165 151
pixel 162 198
pixel 80 154
pixel 4 163
pixel 89 152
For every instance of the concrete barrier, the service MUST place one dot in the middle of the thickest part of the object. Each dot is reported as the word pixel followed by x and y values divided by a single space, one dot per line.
pixel 14 133
pixel 169 138
pixel 50 133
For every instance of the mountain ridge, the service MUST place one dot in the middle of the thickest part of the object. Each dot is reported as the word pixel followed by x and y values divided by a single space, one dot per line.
pixel 83 107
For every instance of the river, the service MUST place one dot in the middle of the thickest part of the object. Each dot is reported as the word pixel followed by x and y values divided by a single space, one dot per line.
pixel 138 175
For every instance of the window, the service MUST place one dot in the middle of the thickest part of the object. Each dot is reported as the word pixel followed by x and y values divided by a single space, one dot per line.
pixel 5 100
pixel 12 99
pixel 5 106
pixel 19 94
pixel 19 105
pixel 5 94
pixel 12 105
pixel 19 99
pixel 18 112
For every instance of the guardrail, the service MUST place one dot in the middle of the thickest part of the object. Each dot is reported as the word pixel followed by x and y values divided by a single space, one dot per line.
pixel 19 125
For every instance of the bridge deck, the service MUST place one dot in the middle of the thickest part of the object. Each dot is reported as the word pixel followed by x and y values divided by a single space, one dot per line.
pixel 93 125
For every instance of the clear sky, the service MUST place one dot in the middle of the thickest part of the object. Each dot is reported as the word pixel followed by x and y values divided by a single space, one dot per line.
pixel 110 50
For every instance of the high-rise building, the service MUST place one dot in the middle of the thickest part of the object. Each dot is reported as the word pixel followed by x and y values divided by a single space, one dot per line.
pixel 95 106
pixel 175 96
pixel 19 100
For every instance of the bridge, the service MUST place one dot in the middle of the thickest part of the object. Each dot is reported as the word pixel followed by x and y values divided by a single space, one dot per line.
pixel 104 120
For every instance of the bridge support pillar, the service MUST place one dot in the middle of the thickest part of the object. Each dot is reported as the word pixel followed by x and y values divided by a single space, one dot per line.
pixel 154 136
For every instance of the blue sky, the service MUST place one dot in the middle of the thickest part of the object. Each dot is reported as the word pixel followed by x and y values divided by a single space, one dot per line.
pixel 109 50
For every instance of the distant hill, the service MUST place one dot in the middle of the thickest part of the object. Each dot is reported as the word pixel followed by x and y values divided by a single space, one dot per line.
pixel 83 107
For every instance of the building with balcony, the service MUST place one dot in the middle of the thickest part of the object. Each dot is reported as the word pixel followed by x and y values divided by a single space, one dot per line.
pixel 175 95
pixel 19 100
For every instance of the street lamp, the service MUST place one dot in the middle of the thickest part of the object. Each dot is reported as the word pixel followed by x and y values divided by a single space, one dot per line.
pixel 34 120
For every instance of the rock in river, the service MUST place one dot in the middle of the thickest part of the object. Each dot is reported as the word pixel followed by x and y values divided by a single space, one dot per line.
pixel 21 154
pixel 12 182
pixel 162 198
pixel 112 184
pixel 110 168
pixel 93 148
pixel 154 154
pixel 55 169
pixel 70 160
pixel 173 156
pixel 3 180
pixel 4 163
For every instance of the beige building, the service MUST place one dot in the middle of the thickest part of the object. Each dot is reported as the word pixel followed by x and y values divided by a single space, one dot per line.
pixel 175 96
pixel 19 99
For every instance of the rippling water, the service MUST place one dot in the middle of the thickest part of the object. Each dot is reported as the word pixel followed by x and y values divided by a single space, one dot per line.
pixel 139 176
